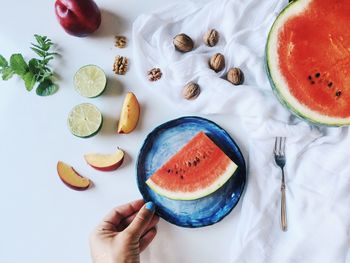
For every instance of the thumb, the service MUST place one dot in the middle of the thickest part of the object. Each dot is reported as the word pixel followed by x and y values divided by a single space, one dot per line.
pixel 141 221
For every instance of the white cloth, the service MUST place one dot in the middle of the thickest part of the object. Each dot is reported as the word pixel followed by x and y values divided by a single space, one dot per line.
pixel 318 170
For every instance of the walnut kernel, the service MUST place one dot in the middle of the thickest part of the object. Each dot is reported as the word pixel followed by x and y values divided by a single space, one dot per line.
pixel 120 66
pixel 154 74
pixel 120 41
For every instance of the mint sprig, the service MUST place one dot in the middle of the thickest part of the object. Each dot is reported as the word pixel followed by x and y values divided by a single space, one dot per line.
pixel 37 71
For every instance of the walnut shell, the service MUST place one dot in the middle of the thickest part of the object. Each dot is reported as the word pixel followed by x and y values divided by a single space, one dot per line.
pixel 183 43
pixel 191 91
pixel 235 76
pixel 217 62
pixel 211 38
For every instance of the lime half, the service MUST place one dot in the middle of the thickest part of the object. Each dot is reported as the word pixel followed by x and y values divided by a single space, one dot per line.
pixel 85 120
pixel 90 81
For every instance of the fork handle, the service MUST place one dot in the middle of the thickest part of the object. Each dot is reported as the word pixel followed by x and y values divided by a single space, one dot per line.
pixel 283 206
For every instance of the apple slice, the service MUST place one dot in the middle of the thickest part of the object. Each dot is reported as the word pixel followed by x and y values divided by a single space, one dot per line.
pixel 71 178
pixel 130 114
pixel 105 162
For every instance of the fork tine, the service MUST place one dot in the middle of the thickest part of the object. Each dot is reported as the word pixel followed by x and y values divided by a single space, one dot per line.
pixel 278 146
pixel 283 148
pixel 275 149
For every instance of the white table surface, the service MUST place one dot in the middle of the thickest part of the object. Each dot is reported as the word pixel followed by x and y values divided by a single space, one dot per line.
pixel 41 220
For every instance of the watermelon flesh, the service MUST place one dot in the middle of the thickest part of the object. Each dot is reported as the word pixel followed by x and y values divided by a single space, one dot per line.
pixel 197 170
pixel 308 58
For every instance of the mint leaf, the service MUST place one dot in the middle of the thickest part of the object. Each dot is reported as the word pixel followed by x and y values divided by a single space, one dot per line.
pixel 7 73
pixel 34 66
pixel 39 47
pixel 3 62
pixel 53 54
pixel 18 64
pixel 29 80
pixel 46 60
pixel 46 88
pixel 39 39
pixel 38 51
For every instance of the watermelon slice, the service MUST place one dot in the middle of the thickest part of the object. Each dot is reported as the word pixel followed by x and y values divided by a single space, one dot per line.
pixel 197 170
pixel 308 60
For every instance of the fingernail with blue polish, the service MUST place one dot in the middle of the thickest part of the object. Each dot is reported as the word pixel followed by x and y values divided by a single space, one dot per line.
pixel 150 206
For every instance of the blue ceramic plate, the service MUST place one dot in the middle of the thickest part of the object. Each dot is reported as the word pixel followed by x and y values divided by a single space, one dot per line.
pixel 162 143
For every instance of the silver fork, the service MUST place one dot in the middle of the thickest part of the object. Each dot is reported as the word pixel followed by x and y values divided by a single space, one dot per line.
pixel 280 159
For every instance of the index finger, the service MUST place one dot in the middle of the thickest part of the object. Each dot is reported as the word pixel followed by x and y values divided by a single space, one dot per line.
pixel 114 217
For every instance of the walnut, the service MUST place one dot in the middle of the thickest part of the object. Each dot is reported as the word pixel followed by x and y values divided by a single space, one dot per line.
pixel 183 43
pixel 217 62
pixel 120 41
pixel 235 76
pixel 191 91
pixel 211 38
pixel 120 65
pixel 154 74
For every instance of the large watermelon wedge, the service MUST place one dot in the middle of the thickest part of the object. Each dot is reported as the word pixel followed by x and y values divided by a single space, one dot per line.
pixel 308 60
pixel 197 170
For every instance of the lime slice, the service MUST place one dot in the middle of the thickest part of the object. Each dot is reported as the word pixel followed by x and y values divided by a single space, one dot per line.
pixel 85 120
pixel 90 81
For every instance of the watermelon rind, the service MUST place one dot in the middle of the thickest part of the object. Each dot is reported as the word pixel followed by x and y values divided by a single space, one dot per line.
pixel 230 170
pixel 278 83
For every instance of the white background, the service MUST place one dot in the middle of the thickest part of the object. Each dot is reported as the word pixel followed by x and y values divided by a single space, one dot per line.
pixel 41 220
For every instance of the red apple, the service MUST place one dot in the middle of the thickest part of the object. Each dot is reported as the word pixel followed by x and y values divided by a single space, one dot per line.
pixel 71 178
pixel 105 162
pixel 78 17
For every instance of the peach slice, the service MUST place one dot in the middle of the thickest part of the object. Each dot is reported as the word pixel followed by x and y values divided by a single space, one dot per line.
pixel 130 114
pixel 71 178
pixel 105 162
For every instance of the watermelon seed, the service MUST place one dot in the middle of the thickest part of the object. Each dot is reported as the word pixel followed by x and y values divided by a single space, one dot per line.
pixel 168 170
pixel 317 75
pixel 312 82
pixel 338 93
pixel 309 77
pixel 330 84
pixel 181 177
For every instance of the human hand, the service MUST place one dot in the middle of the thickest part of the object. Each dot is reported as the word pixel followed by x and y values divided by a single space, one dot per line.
pixel 124 233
